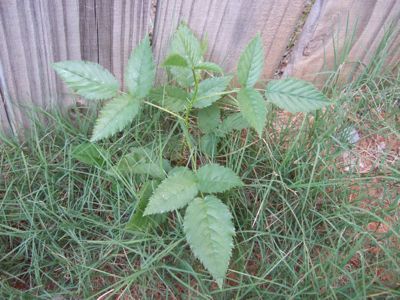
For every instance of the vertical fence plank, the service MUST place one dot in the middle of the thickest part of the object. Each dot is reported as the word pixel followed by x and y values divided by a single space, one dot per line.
pixel 7 118
pixel 342 34
pixel 110 29
pixel 88 30
pixel 5 125
pixel 12 61
pixel 129 25
pixel 35 34
pixel 393 60
pixel 228 26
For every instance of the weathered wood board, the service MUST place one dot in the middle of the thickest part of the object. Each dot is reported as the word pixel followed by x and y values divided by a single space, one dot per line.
pixel 37 33
pixel 343 34
pixel 5 125
pixel 5 115
pixel 124 24
pixel 228 26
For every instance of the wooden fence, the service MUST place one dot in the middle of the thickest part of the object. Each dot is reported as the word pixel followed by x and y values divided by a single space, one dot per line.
pixel 301 38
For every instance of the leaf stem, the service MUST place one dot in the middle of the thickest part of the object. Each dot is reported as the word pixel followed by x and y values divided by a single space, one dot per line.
pixel 190 106
pixel 163 109
pixel 187 115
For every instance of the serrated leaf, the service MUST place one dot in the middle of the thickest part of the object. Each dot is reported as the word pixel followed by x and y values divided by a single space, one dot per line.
pixel 209 66
pixel 251 63
pixel 295 95
pixel 115 116
pixel 178 170
pixel 187 45
pixel 138 221
pixel 253 108
pixel 210 90
pixel 170 97
pixel 213 178
pixel 90 154
pixel 234 121
pixel 209 231
pixel 174 192
pixel 142 162
pixel 175 60
pixel 208 144
pixel 88 79
pixel 208 118
pixel 183 76
pixel 140 72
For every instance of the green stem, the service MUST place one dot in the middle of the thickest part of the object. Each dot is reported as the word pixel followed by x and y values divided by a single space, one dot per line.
pixel 163 109
pixel 190 106
pixel 187 121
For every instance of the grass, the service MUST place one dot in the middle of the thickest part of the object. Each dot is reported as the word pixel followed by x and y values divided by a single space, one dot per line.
pixel 305 224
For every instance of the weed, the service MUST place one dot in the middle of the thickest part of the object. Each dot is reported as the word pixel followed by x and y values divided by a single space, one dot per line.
pixel 207 222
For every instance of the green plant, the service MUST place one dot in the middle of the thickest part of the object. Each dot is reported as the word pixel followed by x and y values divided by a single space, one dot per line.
pixel 198 100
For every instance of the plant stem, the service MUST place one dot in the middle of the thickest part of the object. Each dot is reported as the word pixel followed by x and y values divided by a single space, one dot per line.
pixel 163 109
pixel 196 89
pixel 187 121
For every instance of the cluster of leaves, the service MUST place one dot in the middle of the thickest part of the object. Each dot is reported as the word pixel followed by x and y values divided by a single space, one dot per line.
pixel 198 101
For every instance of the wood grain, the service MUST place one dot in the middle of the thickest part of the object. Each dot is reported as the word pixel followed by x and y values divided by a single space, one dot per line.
pixel 5 125
pixel 35 34
pixel 88 30
pixel 228 26
pixel 111 29
pixel 123 25
pixel 6 113
pixel 343 35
